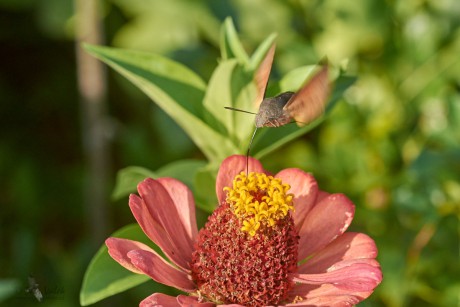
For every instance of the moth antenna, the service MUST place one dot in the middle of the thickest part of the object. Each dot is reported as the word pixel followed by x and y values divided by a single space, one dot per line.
pixel 247 153
pixel 239 110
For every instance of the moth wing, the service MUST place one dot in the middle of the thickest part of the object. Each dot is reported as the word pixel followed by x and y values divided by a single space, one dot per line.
pixel 262 74
pixel 310 100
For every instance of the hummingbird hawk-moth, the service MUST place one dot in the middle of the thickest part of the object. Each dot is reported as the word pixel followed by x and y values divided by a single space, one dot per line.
pixel 302 107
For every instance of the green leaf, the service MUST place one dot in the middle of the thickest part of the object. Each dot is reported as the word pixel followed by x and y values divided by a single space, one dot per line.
pixel 205 183
pixel 8 288
pixel 104 277
pixel 340 86
pixel 260 52
pixel 244 89
pixel 169 78
pixel 231 85
pixel 230 44
pixel 128 178
pixel 219 95
pixel 175 88
pixel 183 170
pixel 271 139
pixel 294 79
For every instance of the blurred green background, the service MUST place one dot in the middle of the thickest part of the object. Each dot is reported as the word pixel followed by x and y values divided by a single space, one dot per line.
pixel 392 145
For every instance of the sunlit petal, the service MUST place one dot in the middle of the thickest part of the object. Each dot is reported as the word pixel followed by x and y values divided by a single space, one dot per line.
pixel 231 167
pixel 119 248
pixel 325 222
pixel 185 204
pixel 158 269
pixel 305 190
pixel 159 299
pixel 348 246
pixel 157 233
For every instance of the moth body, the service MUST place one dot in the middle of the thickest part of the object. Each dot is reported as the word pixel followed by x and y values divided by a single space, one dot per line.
pixel 272 113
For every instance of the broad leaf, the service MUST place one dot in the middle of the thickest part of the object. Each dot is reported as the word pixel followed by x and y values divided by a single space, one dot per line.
pixel 183 170
pixel 205 183
pixel 219 95
pixel 104 277
pixel 240 92
pixel 244 89
pixel 128 178
pixel 260 52
pixel 8 288
pixel 294 79
pixel 231 86
pixel 230 45
pixel 175 88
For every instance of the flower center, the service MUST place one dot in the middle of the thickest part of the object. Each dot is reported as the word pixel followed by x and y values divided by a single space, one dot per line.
pixel 258 201
pixel 247 251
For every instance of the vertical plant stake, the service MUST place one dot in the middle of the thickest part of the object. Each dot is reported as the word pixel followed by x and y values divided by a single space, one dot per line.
pixel 302 107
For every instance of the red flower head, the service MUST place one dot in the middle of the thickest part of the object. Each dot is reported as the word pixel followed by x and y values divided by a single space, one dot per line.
pixel 273 240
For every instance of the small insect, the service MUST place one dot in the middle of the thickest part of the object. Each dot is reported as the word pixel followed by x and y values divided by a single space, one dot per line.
pixel 302 107
pixel 33 288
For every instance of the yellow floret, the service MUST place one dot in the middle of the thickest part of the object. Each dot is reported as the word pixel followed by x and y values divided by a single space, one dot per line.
pixel 274 202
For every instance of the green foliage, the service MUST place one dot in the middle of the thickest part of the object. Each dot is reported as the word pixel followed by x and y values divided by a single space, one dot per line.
pixel 105 277
pixel 392 147
pixel 230 44
pixel 129 177
pixel 8 287
pixel 174 88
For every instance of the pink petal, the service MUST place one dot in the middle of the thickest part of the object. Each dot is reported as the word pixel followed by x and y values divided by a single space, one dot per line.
pixel 326 295
pixel 350 262
pixel 185 300
pixel 163 210
pixel 349 246
pixel 357 277
pixel 305 189
pixel 185 205
pixel 231 167
pixel 159 299
pixel 119 248
pixel 158 269
pixel 321 195
pixel 325 222
pixel 178 254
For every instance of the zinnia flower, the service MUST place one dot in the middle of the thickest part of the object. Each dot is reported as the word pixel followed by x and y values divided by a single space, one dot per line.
pixel 273 240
